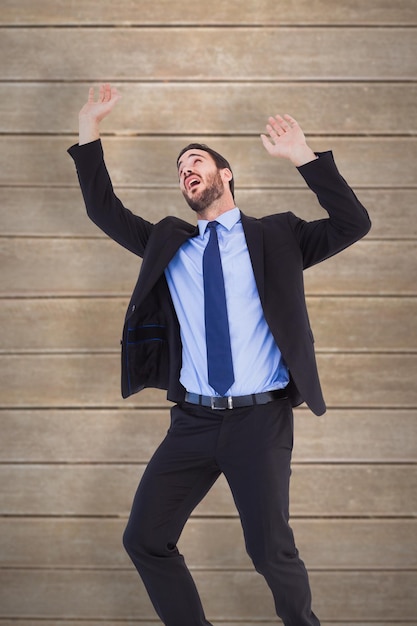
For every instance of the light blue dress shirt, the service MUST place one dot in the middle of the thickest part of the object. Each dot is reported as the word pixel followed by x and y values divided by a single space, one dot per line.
pixel 257 361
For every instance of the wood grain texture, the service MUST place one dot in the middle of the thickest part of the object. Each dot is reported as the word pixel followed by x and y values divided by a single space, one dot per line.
pixel 358 596
pixel 134 622
pixel 92 380
pixel 208 54
pixel 100 267
pixel 242 108
pixel 55 212
pixel 340 323
pixel 317 490
pixel 150 162
pixel 71 450
pixel 334 544
pixel 166 12
pixel 132 435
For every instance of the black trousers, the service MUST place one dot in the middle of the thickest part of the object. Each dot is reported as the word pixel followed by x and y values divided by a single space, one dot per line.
pixel 252 447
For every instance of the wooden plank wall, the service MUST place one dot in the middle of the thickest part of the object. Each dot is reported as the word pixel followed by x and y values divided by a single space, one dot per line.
pixel 71 450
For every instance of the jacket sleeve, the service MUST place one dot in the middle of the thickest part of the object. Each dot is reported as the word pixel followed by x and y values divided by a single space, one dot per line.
pixel 348 220
pixel 103 207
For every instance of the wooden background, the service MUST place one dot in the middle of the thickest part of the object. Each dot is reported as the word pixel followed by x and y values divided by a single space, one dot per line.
pixel 71 450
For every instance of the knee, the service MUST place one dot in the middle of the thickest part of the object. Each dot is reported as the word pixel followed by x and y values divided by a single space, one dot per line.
pixel 129 540
pixel 136 541
pixel 141 543
pixel 267 562
pixel 276 550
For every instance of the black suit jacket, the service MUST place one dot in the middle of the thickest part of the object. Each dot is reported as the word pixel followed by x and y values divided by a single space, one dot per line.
pixel 281 246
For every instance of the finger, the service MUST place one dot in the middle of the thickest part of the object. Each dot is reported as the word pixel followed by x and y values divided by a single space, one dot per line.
pixel 284 125
pixel 275 127
pixel 91 95
pixel 291 121
pixel 115 94
pixel 107 92
pixel 267 144
pixel 274 133
pixel 278 124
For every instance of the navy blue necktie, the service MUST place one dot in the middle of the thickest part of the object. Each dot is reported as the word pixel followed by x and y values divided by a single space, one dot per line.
pixel 219 353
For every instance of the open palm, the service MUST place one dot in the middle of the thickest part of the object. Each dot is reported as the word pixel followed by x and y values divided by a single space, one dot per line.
pixel 285 137
pixel 100 108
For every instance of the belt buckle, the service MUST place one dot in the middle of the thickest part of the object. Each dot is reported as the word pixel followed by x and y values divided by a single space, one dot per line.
pixel 228 404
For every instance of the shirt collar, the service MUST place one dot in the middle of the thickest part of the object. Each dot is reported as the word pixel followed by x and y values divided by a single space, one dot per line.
pixel 227 219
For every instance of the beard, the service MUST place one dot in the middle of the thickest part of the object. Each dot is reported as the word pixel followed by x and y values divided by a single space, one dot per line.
pixel 212 192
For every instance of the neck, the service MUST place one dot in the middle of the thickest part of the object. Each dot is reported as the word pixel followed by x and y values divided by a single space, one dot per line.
pixel 216 208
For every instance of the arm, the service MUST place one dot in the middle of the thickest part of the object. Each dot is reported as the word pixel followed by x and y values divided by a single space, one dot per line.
pixel 348 219
pixel 103 206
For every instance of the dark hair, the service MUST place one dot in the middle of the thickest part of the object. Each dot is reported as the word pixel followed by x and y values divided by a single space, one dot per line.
pixel 219 160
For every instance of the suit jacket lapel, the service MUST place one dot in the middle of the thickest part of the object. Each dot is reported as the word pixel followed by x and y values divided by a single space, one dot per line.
pixel 169 239
pixel 161 250
pixel 254 239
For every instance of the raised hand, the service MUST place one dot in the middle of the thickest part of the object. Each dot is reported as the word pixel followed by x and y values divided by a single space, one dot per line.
pixel 94 111
pixel 287 140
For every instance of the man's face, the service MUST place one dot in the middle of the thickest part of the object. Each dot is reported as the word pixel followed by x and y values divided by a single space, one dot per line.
pixel 201 182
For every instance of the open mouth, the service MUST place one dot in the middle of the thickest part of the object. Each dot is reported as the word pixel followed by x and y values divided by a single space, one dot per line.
pixel 192 182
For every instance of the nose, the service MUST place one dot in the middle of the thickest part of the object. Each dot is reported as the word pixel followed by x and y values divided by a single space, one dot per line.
pixel 186 172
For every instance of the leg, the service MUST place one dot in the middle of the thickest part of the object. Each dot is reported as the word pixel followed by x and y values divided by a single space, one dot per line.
pixel 178 476
pixel 259 476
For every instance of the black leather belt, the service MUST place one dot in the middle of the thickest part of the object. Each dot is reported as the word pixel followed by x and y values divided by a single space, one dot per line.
pixel 233 402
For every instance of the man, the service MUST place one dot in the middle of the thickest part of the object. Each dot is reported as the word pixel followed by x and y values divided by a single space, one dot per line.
pixel 218 318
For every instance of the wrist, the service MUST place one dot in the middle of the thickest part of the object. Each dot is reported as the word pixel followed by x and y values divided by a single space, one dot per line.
pixel 302 156
pixel 88 129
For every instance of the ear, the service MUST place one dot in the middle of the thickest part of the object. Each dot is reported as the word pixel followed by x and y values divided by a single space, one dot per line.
pixel 227 174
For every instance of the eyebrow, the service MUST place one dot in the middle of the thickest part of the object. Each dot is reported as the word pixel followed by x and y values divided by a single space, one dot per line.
pixel 193 154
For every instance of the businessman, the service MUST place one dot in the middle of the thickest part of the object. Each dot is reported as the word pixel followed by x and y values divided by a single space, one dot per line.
pixel 218 319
